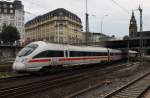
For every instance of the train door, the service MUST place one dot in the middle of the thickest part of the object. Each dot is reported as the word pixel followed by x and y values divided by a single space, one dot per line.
pixel 55 61
pixel 108 55
pixel 71 55
pixel 66 62
pixel 56 56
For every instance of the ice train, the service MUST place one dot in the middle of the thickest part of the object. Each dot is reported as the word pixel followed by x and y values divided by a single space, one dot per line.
pixel 38 55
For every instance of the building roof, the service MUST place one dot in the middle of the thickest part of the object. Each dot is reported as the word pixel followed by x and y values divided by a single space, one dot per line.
pixel 56 12
pixel 17 4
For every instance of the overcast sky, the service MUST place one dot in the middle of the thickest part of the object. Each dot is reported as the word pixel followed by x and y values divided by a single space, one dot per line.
pixel 118 11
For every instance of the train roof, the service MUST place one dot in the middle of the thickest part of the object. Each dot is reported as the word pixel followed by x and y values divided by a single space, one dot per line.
pixel 86 48
pixel 114 50
pixel 131 51
pixel 53 46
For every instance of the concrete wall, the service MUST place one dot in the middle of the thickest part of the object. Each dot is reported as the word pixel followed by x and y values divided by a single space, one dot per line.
pixel 9 51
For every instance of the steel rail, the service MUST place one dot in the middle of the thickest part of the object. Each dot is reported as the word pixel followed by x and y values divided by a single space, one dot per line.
pixel 48 83
pixel 133 89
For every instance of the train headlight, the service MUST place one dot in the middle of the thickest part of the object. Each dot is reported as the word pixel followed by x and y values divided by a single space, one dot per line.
pixel 24 60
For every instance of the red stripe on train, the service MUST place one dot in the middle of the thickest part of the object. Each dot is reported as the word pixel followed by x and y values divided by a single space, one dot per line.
pixel 88 58
pixel 39 60
pixel 68 59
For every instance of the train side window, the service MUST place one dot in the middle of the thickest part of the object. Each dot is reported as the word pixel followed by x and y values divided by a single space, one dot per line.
pixel 52 53
pixel 72 53
pixel 79 54
pixel 42 54
pixel 75 53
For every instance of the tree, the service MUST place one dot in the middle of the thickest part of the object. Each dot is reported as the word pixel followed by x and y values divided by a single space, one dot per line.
pixel 10 34
pixel 0 36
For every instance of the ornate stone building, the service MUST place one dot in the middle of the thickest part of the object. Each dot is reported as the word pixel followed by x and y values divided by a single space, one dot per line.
pixel 58 26
pixel 133 30
pixel 136 37
pixel 12 13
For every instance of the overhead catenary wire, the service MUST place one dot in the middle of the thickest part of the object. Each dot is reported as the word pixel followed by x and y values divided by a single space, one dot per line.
pixel 44 9
pixel 126 10
pixel 114 1
pixel 123 8
pixel 38 5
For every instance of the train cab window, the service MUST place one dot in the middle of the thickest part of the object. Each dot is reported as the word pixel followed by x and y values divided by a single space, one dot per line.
pixel 27 50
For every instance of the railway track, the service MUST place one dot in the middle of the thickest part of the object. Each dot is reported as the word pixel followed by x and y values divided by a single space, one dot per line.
pixel 27 78
pixel 146 94
pixel 5 68
pixel 18 79
pixel 134 89
pixel 14 78
pixel 48 83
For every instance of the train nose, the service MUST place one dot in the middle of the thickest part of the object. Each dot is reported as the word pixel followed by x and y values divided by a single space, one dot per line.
pixel 18 67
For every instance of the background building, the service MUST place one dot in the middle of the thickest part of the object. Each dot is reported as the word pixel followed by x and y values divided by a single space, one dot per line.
pixel 99 37
pixel 135 37
pixel 12 13
pixel 133 30
pixel 133 27
pixel 58 26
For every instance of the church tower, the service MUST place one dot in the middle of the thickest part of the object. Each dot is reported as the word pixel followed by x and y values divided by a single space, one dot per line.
pixel 133 27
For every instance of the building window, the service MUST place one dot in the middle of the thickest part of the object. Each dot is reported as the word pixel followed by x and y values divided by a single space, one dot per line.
pixel 19 18
pixel 12 23
pixel 61 33
pixel 60 26
pixel 5 5
pixel 11 6
pixel 11 11
pixel 12 17
pixel 5 23
pixel 60 14
pixel 5 10
pixel 61 39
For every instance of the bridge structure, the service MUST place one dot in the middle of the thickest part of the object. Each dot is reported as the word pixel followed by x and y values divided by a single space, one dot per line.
pixel 134 44
pixel 10 51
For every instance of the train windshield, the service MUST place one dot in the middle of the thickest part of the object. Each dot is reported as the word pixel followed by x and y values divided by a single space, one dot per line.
pixel 27 50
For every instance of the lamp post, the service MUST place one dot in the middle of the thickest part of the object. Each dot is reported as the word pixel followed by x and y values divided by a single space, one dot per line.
pixel 87 24
pixel 128 48
pixel 141 37
pixel 102 23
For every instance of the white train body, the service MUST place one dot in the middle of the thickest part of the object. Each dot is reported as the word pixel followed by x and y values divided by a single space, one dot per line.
pixel 38 55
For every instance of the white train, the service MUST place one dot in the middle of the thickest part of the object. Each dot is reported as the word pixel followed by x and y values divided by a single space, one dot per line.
pixel 39 55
